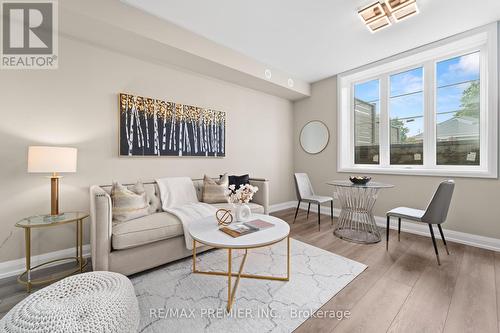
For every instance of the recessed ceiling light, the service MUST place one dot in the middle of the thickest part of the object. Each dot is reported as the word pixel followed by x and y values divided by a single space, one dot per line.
pixel 268 74
pixel 381 14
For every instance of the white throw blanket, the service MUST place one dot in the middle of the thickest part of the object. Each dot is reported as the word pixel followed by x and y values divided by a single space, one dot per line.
pixel 176 191
pixel 178 197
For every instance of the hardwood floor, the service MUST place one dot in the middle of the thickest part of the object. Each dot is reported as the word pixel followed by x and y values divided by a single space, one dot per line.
pixel 402 290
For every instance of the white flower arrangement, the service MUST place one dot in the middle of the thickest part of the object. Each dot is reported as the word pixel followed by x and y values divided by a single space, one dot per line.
pixel 242 195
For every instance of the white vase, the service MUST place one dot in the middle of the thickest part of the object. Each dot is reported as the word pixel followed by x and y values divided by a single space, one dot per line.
pixel 241 212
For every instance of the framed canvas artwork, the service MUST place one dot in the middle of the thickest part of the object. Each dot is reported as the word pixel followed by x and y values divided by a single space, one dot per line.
pixel 153 127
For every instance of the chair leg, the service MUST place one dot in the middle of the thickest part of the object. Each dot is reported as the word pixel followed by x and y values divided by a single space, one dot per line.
pixel 434 243
pixel 399 229
pixel 331 210
pixel 296 212
pixel 387 234
pixel 319 217
pixel 308 209
pixel 444 240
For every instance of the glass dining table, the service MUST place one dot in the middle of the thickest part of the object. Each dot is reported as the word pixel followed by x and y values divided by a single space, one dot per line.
pixel 356 222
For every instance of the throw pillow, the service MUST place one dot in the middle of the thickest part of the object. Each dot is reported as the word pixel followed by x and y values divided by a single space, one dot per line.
pixel 128 203
pixel 215 191
pixel 237 181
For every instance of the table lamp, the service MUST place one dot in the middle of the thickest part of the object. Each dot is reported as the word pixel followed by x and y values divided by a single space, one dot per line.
pixel 53 160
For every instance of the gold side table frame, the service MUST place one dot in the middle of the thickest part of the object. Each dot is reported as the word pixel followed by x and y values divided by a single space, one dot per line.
pixel 37 222
pixel 232 291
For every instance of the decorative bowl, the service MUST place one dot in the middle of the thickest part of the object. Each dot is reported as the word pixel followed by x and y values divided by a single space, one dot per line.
pixel 360 180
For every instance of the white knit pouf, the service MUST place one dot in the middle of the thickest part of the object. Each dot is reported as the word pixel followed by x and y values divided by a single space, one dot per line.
pixel 89 302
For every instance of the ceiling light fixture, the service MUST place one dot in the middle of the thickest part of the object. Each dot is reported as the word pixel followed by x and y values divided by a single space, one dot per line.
pixel 268 74
pixel 383 13
pixel 401 9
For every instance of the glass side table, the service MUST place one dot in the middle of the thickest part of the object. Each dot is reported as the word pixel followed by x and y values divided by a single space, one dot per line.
pixel 42 221
pixel 356 222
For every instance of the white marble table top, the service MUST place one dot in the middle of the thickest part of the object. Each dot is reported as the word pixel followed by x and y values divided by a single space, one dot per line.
pixel 206 231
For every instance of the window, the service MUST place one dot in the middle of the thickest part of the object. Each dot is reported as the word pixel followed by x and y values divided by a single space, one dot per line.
pixel 406 107
pixel 458 110
pixel 366 115
pixel 431 112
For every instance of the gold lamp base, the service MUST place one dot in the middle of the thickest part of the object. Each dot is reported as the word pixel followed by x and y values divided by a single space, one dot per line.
pixel 54 194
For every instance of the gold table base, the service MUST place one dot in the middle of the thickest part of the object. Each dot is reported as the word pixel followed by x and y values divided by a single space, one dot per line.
pixel 232 291
pixel 25 277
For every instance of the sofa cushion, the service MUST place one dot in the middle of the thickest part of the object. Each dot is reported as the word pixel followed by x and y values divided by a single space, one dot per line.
pixel 152 195
pixel 129 203
pixel 145 230
pixel 238 181
pixel 255 208
pixel 214 191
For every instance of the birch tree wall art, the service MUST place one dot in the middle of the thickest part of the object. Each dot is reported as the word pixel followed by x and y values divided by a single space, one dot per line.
pixel 153 127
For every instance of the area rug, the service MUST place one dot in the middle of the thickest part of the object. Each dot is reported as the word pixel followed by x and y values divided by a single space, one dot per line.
pixel 172 299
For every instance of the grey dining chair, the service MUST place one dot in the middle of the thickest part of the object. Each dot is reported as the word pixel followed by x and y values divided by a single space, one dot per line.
pixel 305 193
pixel 435 213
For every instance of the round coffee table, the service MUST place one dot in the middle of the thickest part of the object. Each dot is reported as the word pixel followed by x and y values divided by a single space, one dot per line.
pixel 206 231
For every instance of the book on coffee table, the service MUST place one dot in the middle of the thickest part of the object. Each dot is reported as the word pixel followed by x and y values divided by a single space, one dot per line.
pixel 237 230
pixel 258 224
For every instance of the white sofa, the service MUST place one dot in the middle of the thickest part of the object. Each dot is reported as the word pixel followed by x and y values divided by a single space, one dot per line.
pixel 136 245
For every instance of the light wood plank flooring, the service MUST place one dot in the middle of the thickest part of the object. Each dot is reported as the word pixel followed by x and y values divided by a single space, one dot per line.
pixel 403 290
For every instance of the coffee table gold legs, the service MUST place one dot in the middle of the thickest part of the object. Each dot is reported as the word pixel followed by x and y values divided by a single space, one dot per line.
pixel 229 274
pixel 230 294
pixel 288 258
pixel 229 278
pixel 27 241
pixel 194 256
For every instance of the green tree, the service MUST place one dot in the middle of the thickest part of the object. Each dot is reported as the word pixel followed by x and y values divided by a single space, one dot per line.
pixel 469 102
pixel 398 126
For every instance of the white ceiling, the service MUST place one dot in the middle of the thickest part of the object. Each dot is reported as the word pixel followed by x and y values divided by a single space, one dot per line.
pixel 315 39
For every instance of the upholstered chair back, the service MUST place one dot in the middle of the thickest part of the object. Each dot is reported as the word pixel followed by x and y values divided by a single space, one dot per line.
pixel 437 210
pixel 303 186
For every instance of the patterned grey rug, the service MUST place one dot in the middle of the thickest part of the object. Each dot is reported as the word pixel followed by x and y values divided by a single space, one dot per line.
pixel 172 299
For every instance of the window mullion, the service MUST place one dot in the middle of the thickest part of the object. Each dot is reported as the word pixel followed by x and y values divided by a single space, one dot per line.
pixel 429 115
pixel 384 121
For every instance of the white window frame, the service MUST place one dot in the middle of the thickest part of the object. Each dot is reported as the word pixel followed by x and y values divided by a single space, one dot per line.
pixel 485 40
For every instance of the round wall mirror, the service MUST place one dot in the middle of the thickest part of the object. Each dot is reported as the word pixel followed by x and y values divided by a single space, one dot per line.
pixel 314 137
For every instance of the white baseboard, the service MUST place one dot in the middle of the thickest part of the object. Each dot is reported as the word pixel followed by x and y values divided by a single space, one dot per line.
pixel 17 266
pixel 282 206
pixel 410 227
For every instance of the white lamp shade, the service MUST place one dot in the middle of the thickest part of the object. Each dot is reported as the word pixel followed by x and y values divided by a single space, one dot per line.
pixel 51 159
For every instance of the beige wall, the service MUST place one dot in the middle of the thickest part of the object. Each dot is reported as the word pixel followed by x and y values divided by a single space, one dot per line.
pixel 77 105
pixel 475 207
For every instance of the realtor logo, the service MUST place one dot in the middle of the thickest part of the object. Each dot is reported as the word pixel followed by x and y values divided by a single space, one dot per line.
pixel 29 35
